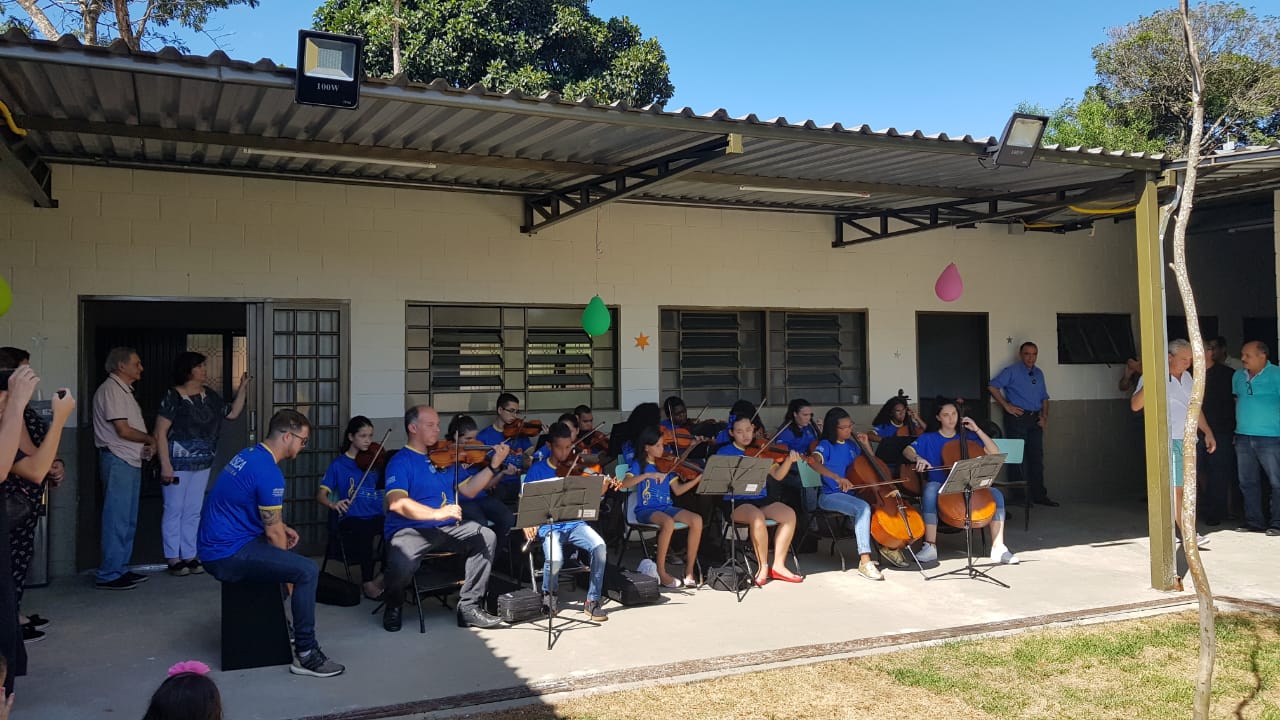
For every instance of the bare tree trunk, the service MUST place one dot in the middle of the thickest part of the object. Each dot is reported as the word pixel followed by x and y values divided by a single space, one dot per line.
pixel 39 19
pixel 124 25
pixel 90 11
pixel 1204 594
pixel 395 38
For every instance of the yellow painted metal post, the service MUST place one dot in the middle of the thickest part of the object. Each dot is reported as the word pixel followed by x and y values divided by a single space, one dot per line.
pixel 1155 362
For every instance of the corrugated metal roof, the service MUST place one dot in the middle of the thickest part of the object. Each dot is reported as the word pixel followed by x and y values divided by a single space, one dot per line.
pixel 114 105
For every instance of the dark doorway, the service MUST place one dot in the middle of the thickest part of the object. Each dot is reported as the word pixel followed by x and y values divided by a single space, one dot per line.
pixel 1177 327
pixel 158 330
pixel 953 361
pixel 1256 328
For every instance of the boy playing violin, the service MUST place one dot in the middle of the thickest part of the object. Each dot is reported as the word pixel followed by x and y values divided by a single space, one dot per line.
pixel 654 505
pixel 481 507
pixel 508 416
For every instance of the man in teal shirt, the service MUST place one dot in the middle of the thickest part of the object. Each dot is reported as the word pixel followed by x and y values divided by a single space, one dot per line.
pixel 1257 391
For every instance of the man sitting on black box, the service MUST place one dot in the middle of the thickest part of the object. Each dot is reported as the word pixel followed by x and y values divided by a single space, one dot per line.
pixel 244 539
pixel 423 516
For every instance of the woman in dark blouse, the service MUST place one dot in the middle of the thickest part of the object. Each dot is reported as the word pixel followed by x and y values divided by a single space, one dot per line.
pixel 187 428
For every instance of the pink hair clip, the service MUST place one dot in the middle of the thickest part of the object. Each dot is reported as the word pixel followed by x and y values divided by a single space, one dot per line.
pixel 189 666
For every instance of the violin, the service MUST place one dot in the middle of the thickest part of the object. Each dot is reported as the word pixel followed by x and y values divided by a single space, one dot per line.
pixel 375 457
pixel 594 442
pixel 894 523
pixel 684 469
pixel 447 454
pixel 520 427
pixel 982 504
pixel 906 472
pixel 776 452
pixel 680 438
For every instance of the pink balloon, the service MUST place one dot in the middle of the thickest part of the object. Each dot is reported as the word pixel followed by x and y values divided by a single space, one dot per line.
pixel 949 286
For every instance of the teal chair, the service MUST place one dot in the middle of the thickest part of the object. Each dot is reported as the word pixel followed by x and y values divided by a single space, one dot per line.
pixel 1014 449
pixel 640 529
pixel 833 523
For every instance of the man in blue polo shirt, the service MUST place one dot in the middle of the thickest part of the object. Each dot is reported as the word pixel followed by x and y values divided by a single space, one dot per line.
pixel 423 516
pixel 243 537
pixel 1020 390
pixel 1257 391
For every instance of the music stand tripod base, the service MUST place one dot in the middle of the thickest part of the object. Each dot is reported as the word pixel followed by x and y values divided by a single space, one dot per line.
pixel 545 502
pixel 965 477
pixel 724 473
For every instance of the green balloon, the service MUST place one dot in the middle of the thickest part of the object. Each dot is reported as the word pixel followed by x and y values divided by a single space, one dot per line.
pixel 596 318
pixel 6 297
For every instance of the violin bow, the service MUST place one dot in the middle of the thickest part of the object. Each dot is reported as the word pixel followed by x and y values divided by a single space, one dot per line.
pixel 373 460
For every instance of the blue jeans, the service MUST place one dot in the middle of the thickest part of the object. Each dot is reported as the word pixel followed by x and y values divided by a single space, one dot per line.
pixel 122 483
pixel 1258 455
pixel 854 507
pixel 929 503
pixel 261 562
pixel 580 536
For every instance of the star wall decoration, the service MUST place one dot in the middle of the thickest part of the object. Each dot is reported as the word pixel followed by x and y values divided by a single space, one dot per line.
pixel 642 341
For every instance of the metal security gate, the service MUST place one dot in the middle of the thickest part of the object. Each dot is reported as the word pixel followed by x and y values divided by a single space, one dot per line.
pixel 303 365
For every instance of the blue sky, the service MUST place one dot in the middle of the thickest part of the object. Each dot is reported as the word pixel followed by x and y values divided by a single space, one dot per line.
pixel 954 67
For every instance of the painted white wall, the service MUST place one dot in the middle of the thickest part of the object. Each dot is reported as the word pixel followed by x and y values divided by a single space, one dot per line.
pixel 123 232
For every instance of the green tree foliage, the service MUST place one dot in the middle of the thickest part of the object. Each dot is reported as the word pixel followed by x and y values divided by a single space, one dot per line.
pixel 532 46
pixel 139 23
pixel 1092 123
pixel 1143 69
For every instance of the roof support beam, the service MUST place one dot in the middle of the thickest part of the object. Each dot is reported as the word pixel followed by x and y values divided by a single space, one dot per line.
pixel 965 213
pixel 543 211
pixel 28 169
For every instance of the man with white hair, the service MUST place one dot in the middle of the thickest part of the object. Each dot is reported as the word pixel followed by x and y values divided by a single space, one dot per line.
pixel 1178 395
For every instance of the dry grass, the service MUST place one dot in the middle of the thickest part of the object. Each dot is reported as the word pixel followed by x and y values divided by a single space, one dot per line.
pixel 1137 670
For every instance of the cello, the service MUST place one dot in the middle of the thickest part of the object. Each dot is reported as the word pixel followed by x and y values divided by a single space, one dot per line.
pixel 894 523
pixel 951 506
pixel 906 471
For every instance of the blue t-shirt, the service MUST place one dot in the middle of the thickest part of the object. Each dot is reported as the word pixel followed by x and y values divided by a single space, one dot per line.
pixel 652 494
pixel 837 457
pixel 799 442
pixel 545 470
pixel 412 473
pixel 733 449
pixel 929 447
pixel 886 430
pixel 1022 387
pixel 628 452
pixel 1257 402
pixel 519 448
pixel 251 482
pixel 341 480
pixel 465 473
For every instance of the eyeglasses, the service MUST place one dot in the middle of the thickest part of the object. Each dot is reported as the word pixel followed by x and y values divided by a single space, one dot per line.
pixel 1248 385
pixel 510 411
pixel 1032 374
pixel 301 439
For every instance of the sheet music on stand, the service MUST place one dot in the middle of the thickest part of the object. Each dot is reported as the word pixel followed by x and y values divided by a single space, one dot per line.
pixel 560 500
pixel 974 474
pixel 739 473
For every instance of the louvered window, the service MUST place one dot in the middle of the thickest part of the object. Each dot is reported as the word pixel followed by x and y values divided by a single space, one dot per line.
pixel 459 358
pixel 717 357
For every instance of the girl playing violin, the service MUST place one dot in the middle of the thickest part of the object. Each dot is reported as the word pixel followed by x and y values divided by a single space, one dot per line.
pixel 832 458
pixel 654 504
pixel 482 507
pixel 753 510
pixel 895 414
pixel 360 513
pixel 926 452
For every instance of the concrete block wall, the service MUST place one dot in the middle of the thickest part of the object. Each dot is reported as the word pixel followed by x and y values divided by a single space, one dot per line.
pixel 143 233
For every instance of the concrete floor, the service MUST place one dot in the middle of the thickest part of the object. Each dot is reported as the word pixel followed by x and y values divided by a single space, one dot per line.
pixel 107 651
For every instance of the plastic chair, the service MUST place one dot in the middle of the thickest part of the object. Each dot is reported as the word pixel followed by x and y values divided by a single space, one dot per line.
pixel 640 529
pixel 832 522
pixel 1015 448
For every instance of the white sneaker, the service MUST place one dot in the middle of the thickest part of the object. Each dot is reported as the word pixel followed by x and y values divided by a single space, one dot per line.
pixel 927 553
pixel 869 571
pixel 1201 541
pixel 1000 554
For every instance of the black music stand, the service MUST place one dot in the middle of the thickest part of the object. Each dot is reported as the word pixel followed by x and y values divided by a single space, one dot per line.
pixel 728 475
pixel 965 477
pixel 545 502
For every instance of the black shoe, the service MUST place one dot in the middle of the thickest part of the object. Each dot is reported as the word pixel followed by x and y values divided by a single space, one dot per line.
pixel 315 664
pixel 1273 532
pixel 477 617
pixel 391 619
pixel 121 583
pixel 549 604
pixel 1249 528
pixel 1047 502
pixel 136 578
pixel 195 567
pixel 31 635
pixel 35 622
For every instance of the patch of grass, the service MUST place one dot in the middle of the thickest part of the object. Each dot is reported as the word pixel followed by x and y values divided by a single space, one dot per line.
pixel 1139 669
